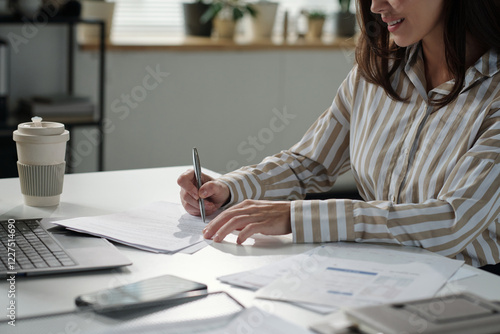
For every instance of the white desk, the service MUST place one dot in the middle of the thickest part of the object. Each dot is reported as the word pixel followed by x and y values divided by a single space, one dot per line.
pixel 108 192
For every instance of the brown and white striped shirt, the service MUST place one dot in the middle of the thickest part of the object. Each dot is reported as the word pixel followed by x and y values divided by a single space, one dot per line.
pixel 430 177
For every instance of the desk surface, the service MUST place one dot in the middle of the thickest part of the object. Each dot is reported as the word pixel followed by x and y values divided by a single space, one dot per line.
pixel 108 192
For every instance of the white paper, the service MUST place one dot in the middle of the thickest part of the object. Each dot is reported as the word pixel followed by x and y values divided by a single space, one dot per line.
pixel 158 227
pixel 255 320
pixel 413 267
pixel 350 283
pixel 196 247
pixel 260 277
pixel 462 273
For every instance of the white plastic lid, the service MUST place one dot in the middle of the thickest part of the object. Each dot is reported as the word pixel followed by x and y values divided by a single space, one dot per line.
pixel 52 132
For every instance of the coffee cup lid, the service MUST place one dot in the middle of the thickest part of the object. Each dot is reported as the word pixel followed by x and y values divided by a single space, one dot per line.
pixel 38 128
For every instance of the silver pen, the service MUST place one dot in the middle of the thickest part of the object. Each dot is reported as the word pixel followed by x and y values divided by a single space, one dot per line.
pixel 197 174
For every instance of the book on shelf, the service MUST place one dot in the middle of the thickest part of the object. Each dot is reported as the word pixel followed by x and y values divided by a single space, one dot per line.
pixel 60 99
pixel 60 108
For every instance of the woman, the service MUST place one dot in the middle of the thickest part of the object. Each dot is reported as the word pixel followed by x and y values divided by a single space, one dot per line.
pixel 417 121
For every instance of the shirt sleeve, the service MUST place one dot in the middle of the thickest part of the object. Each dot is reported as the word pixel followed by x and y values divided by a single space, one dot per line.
pixel 310 166
pixel 464 218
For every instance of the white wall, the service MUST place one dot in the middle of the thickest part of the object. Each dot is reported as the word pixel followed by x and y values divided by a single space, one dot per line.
pixel 213 100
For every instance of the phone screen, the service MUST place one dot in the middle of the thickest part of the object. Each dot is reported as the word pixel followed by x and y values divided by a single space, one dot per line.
pixel 149 291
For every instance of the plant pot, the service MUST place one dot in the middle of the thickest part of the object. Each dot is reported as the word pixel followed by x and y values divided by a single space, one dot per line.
pixel 263 23
pixel 224 28
pixel 27 8
pixel 96 10
pixel 192 16
pixel 344 24
pixel 315 29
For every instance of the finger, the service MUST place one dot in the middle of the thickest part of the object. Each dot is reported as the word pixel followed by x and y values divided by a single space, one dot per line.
pixel 193 210
pixel 210 208
pixel 251 229
pixel 187 181
pixel 192 205
pixel 188 198
pixel 205 178
pixel 233 224
pixel 220 220
pixel 229 220
pixel 209 189
pixel 265 227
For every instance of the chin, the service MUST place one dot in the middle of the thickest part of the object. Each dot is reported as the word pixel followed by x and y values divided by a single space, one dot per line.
pixel 403 42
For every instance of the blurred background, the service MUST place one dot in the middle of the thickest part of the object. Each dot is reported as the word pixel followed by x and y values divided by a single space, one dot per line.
pixel 163 89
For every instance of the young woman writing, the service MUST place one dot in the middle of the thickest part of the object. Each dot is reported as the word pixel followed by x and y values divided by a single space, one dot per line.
pixel 417 121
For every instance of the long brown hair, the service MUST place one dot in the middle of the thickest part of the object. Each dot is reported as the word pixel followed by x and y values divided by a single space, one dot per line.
pixel 378 57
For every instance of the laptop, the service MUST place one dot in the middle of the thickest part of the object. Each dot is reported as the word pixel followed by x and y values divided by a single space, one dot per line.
pixel 38 247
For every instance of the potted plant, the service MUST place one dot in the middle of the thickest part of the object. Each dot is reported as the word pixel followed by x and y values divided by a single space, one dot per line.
pixel 263 24
pixel 344 20
pixel 192 18
pixel 315 22
pixel 27 8
pixel 92 10
pixel 225 14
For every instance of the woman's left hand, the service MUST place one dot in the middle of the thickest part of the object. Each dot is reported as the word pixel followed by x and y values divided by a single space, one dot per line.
pixel 250 217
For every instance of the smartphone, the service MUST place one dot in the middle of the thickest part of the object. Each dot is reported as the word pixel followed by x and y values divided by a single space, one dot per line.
pixel 153 291
pixel 462 313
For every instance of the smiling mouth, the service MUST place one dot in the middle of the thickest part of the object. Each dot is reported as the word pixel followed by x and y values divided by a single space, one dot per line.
pixel 393 23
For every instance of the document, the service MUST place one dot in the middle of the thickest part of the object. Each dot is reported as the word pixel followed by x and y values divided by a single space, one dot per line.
pixel 350 274
pixel 260 277
pixel 161 227
pixel 348 283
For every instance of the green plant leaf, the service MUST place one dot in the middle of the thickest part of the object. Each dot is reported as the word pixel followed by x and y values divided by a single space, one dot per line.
pixel 344 5
pixel 211 12
pixel 253 12
pixel 237 13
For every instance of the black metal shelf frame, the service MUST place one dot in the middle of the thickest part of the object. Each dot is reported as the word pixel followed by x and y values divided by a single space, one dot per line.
pixel 72 23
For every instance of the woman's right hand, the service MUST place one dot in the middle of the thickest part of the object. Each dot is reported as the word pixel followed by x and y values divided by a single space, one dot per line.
pixel 214 192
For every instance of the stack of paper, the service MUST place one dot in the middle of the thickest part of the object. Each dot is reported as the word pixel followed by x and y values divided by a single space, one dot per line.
pixel 334 275
pixel 161 227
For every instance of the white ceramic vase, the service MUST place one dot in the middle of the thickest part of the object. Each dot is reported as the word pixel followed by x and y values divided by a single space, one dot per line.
pixel 263 23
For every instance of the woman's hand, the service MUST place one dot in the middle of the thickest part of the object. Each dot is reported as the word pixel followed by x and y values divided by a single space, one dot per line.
pixel 250 217
pixel 215 193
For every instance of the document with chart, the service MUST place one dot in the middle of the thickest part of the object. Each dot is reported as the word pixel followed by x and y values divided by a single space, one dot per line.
pixel 344 282
pixel 337 274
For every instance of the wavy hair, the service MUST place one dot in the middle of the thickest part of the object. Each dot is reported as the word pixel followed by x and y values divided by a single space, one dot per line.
pixel 378 56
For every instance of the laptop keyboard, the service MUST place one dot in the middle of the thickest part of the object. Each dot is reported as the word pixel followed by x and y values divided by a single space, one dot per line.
pixel 34 247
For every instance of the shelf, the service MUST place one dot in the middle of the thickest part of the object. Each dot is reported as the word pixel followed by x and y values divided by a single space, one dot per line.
pixel 70 23
pixel 191 43
pixel 4 19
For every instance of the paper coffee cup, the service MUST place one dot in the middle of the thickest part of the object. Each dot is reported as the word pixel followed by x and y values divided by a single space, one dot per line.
pixel 41 150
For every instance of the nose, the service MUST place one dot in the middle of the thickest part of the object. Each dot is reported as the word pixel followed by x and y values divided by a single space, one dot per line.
pixel 378 6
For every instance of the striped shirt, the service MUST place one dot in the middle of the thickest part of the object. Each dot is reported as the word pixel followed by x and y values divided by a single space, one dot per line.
pixel 430 177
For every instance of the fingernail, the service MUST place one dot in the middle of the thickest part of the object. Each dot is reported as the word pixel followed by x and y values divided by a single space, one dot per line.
pixel 203 193
pixel 216 237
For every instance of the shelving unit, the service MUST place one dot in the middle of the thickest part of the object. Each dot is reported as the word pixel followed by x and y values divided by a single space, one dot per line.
pixel 71 23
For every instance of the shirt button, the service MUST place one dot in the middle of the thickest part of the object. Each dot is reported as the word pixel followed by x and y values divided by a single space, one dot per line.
pixel 393 198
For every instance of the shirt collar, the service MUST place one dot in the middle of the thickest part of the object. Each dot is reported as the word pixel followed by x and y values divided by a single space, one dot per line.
pixel 415 70
pixel 486 66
